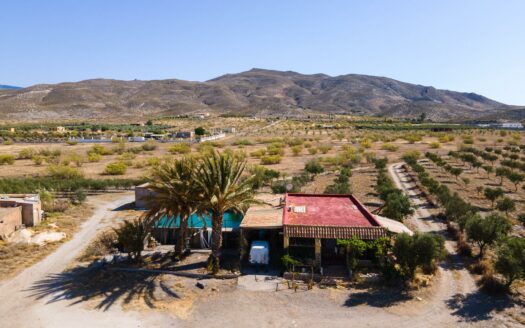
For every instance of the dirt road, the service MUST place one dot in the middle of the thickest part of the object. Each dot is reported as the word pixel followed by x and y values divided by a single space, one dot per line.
pixel 455 283
pixel 18 308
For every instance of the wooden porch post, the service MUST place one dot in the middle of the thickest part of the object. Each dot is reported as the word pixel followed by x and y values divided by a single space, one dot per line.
pixel 318 252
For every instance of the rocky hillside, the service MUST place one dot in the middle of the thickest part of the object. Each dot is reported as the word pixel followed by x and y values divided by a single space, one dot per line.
pixel 260 92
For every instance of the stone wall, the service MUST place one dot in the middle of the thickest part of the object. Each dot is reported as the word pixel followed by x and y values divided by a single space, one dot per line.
pixel 10 219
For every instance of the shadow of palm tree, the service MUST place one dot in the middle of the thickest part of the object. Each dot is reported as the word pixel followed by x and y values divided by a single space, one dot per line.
pixel 477 306
pixel 123 207
pixel 378 297
pixel 84 284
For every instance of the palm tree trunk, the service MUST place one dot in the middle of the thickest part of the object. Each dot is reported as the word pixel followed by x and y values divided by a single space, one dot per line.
pixel 181 238
pixel 216 242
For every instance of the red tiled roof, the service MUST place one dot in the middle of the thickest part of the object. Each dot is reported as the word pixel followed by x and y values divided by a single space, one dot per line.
pixel 326 210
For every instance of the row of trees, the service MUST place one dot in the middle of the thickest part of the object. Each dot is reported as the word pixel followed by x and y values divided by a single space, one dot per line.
pixel 505 204
pixel 396 205
pixel 38 184
pixel 482 231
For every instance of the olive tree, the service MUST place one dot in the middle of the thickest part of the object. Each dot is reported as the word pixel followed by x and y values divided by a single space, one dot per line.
pixel 506 205
pixel 419 250
pixel 485 231
pixel 510 259
pixel 492 194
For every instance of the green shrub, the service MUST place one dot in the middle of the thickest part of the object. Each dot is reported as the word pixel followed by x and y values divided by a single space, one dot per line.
pixel 258 153
pixel 26 153
pixel 325 148
pixel 389 147
pixel 435 145
pixel 131 236
pixel 64 172
pixel 312 150
pixel 314 166
pixel 180 148
pixel 149 146
pixel 36 184
pixel 94 157
pixel 243 142
pixel 295 142
pixel 7 159
pixel 296 150
pixel 153 161
pixel 270 159
pixel 275 149
pixel 127 156
pixel 116 168
pixel 100 150
pixel 78 197
pixel 37 159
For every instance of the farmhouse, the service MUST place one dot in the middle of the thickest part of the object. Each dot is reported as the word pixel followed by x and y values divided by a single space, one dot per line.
pixel 307 227
pixel 313 223
pixel 304 226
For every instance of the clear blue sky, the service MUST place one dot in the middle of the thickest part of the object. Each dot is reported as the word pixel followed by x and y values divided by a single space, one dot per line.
pixel 463 45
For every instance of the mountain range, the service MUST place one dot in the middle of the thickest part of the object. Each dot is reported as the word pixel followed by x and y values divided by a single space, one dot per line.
pixel 255 92
pixel 4 86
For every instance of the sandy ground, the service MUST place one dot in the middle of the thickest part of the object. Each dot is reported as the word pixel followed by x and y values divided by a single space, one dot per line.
pixel 20 308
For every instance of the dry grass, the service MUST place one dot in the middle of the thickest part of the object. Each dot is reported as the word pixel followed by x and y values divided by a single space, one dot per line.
pixel 16 257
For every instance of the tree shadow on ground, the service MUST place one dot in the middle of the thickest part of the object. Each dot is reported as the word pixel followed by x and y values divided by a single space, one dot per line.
pixel 477 306
pixel 379 297
pixel 103 286
pixel 124 207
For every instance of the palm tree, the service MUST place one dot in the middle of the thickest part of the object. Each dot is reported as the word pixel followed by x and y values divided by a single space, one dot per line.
pixel 223 188
pixel 175 194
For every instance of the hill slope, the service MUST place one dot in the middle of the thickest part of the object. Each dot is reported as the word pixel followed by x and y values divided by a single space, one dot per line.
pixel 260 92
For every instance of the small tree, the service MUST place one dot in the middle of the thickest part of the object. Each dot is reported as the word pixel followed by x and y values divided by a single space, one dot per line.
pixel 397 206
pixel 380 163
pixel 79 197
pixel 506 205
pixel 485 231
pixel 502 172
pixel 314 167
pixel 354 248
pixel 479 189
pixel 419 250
pixel 516 179
pixel 200 131
pixel 510 259
pixel 488 169
pixel 492 194
pixel 521 218
pixel 456 171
